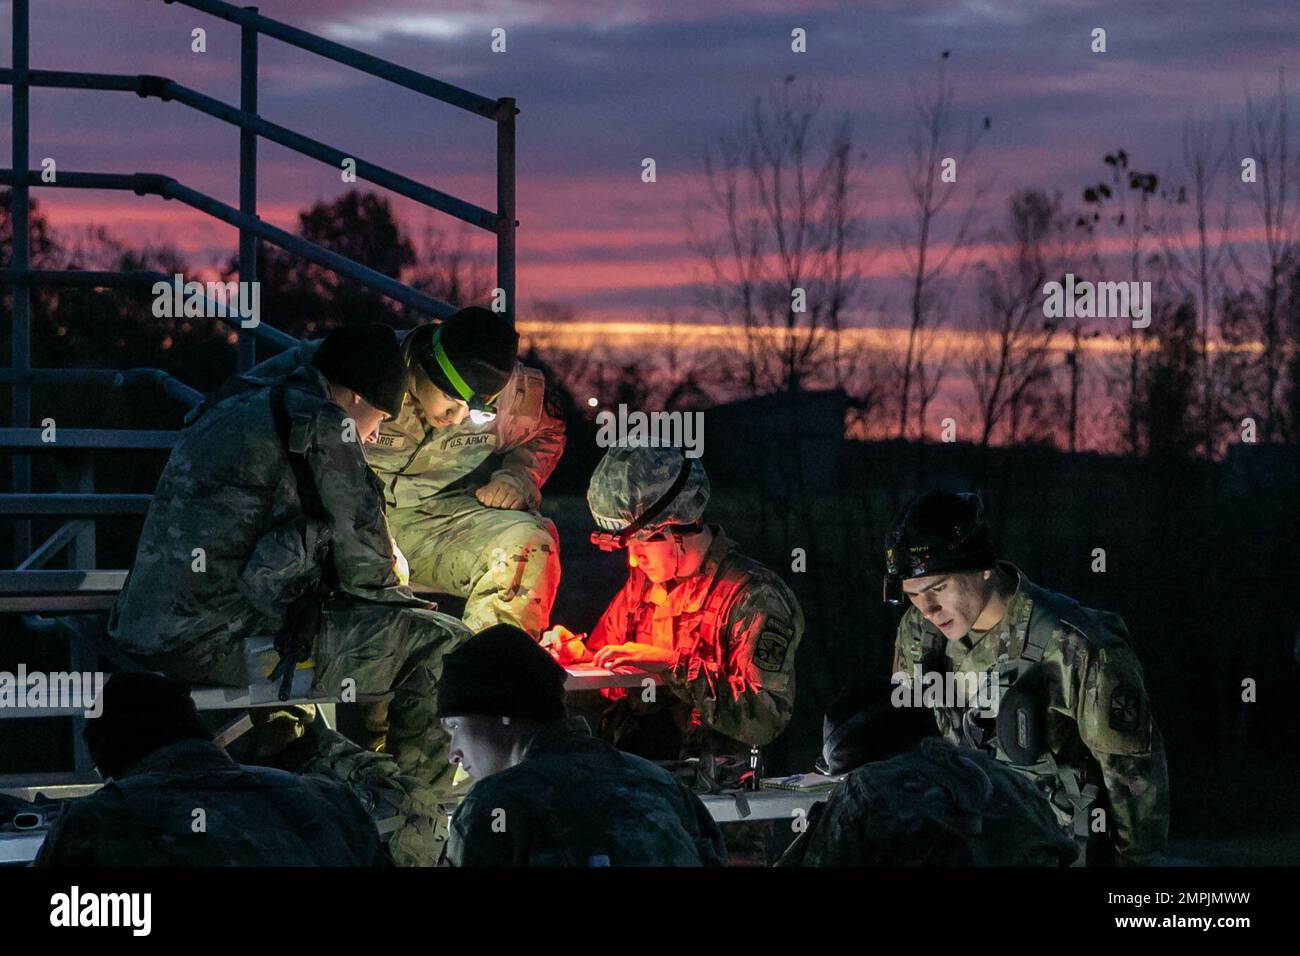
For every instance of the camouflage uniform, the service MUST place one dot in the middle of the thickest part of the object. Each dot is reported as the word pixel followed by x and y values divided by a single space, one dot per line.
pixel 505 563
pixel 935 805
pixel 1099 730
pixel 735 627
pixel 253 816
pixel 576 801
pixel 226 549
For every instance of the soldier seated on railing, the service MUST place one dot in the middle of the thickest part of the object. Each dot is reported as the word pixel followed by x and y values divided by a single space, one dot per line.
pixel 268 526
pixel 463 462
pixel 175 798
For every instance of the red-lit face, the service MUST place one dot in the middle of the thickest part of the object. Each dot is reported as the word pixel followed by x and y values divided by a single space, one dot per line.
pixel 657 556
pixel 951 602
pixel 482 745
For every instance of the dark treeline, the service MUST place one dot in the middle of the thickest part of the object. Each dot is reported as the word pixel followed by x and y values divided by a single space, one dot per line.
pixel 1197 520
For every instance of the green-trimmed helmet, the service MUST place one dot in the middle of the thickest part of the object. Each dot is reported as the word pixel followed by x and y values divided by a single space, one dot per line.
pixel 469 356
pixel 636 491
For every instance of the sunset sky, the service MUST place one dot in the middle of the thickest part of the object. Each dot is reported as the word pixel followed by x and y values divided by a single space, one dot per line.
pixel 603 85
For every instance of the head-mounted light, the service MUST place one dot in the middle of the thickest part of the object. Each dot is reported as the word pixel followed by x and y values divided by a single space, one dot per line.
pixel 482 408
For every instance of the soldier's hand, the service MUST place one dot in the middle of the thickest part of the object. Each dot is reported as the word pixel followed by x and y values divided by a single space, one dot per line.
pixel 644 656
pixel 565 646
pixel 501 494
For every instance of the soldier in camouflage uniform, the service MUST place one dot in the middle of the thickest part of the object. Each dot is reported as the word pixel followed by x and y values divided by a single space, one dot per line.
pixel 1086 736
pixel 547 793
pixel 722 628
pixel 162 766
pixel 911 799
pixel 265 522
pixel 462 465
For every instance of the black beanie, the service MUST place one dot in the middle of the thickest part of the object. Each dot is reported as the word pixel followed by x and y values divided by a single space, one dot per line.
pixel 501 672
pixel 368 360
pixel 938 532
pixel 141 713
pixel 480 345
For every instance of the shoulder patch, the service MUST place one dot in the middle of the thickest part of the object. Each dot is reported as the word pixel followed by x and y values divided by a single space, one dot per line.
pixel 1124 708
pixel 772 647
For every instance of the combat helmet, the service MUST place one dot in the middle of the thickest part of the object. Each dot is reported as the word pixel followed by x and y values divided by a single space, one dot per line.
pixel 938 533
pixel 635 492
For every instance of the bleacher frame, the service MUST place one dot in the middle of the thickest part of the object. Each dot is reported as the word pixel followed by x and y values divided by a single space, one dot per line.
pixel 29 587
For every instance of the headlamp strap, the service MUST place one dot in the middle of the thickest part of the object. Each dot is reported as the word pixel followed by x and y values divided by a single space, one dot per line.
pixel 660 505
pixel 440 356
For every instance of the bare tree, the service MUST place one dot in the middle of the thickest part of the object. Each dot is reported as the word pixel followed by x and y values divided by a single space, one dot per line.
pixel 447 267
pixel 931 367
pixel 1273 196
pixel 930 146
pixel 1196 265
pixel 782 244
pixel 1126 211
pixel 1012 359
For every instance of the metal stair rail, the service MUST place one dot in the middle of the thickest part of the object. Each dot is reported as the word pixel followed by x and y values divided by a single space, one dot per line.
pixel 29 587
pixel 21 376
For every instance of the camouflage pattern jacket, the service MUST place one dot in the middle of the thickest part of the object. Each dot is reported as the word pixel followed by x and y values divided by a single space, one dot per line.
pixel 252 816
pixel 576 801
pixel 1098 723
pixel 521 445
pixel 936 805
pixel 735 628
pixel 226 548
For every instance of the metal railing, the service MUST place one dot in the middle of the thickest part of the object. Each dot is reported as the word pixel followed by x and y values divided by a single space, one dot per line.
pixel 20 377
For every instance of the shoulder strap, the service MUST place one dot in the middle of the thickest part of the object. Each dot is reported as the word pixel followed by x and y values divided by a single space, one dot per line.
pixel 717 602
pixel 307 494
pixel 1049 608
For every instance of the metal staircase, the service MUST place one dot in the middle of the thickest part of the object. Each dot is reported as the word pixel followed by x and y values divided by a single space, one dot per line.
pixel 29 587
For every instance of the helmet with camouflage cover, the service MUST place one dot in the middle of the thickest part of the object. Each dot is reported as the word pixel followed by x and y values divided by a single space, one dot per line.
pixel 636 491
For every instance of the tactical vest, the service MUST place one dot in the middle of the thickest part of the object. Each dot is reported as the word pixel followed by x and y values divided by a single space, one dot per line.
pixel 711 617
pixel 712 613
pixel 1023 733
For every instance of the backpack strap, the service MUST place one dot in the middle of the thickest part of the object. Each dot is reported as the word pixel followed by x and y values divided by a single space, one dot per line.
pixel 1050 609
pixel 717 604
pixel 307 494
